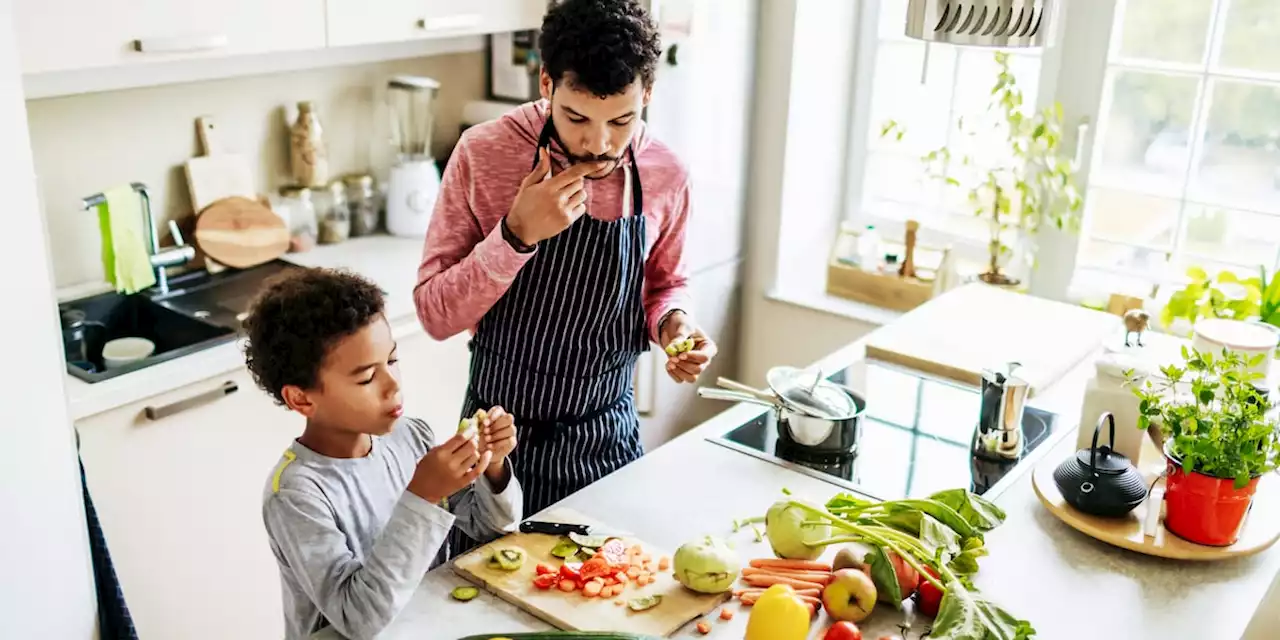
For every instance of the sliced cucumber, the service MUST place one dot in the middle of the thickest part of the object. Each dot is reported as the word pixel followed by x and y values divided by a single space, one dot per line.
pixel 565 548
pixel 591 542
pixel 464 593
pixel 645 603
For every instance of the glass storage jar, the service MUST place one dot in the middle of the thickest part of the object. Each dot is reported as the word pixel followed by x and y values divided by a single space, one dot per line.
pixel 363 201
pixel 335 221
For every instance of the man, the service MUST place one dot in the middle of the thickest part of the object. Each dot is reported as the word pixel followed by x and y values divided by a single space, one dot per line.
pixel 566 273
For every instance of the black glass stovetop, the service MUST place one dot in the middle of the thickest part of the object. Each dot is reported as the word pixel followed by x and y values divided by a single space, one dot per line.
pixel 915 438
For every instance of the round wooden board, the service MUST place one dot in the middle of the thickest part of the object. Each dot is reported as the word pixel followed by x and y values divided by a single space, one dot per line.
pixel 241 233
pixel 1261 527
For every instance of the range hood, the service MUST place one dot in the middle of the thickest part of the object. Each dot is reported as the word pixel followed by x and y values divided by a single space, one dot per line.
pixel 992 23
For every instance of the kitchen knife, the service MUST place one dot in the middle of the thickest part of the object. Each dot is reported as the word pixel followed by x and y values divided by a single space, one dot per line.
pixel 565 528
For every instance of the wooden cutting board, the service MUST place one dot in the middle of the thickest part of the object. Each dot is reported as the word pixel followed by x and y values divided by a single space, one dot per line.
pixel 241 233
pixel 573 611
pixel 216 174
pixel 978 326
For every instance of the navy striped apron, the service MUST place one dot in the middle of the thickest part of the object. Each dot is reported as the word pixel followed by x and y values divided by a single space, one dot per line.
pixel 559 352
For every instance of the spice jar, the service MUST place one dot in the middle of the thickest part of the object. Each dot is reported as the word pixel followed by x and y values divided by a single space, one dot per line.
pixel 363 201
pixel 301 214
pixel 335 222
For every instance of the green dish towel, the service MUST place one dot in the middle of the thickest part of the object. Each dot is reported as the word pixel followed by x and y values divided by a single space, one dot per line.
pixel 125 259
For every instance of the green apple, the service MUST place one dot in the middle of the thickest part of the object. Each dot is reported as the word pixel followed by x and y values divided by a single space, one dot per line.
pixel 851 595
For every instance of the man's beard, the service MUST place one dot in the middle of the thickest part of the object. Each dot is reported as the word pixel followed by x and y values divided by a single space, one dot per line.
pixel 573 159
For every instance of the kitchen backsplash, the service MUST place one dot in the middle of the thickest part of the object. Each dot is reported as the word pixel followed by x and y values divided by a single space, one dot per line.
pixel 86 143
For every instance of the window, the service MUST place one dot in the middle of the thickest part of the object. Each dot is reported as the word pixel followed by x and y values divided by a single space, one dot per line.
pixel 1186 163
pixel 928 91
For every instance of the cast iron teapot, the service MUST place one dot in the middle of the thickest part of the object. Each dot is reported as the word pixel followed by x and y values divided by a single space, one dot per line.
pixel 1100 481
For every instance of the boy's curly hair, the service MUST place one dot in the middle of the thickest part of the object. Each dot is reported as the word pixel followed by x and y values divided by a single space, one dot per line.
pixel 604 44
pixel 296 319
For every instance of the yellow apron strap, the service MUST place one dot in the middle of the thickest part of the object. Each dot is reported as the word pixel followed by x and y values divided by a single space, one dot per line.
pixel 289 457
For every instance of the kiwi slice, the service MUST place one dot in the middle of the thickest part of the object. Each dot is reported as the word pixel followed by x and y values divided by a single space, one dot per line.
pixel 464 593
pixel 509 558
pixel 565 549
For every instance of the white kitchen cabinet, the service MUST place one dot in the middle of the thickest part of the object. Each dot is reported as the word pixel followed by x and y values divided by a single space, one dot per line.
pixel 356 22
pixel 180 501
pixel 61 35
pixel 433 379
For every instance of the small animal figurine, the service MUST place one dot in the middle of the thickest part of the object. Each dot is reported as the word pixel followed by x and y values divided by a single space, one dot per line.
pixel 1135 321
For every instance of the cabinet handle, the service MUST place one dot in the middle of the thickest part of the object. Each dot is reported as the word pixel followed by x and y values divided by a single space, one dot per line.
pixel 180 44
pixel 450 23
pixel 166 410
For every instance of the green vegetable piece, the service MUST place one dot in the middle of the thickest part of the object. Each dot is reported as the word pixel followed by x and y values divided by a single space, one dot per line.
pixel 464 425
pixel 671 349
pixel 885 578
pixel 591 542
pixel 966 615
pixel 565 548
pixel 464 593
pixel 509 558
pixel 980 513
pixel 585 554
pixel 645 603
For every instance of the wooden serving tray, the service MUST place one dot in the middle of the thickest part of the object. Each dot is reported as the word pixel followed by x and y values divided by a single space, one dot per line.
pixel 1261 527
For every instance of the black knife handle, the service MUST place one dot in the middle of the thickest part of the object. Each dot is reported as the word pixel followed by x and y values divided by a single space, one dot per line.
pixel 552 528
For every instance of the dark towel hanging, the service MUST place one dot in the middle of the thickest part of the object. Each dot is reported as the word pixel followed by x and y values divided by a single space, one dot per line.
pixel 114 621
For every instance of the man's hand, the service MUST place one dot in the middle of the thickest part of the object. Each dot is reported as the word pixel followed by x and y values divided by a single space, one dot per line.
pixel 498 437
pixel 449 467
pixel 687 366
pixel 544 208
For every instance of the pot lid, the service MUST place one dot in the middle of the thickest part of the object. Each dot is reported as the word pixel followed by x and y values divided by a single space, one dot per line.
pixel 812 393
pixel 1107 462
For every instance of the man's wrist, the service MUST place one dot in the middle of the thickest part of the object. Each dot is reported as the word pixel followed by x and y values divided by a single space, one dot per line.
pixel 513 239
pixel 662 322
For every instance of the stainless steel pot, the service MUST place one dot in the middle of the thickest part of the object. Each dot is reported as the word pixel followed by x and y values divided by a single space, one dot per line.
pixel 826 433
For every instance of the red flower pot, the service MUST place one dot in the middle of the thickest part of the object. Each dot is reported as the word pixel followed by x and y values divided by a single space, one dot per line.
pixel 1204 509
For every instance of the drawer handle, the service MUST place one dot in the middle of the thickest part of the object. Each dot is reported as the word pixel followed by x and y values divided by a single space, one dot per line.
pixel 166 410
pixel 180 44
pixel 449 23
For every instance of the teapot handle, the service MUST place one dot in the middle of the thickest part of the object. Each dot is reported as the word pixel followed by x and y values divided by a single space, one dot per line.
pixel 1093 450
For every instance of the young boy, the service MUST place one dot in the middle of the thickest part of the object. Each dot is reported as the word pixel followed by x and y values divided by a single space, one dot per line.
pixel 361 504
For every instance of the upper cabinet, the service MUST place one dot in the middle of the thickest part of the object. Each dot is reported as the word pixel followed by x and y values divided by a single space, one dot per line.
pixel 64 35
pixel 356 22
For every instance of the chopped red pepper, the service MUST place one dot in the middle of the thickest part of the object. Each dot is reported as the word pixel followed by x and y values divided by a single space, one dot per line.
pixel 546 580
pixel 571 571
pixel 543 569
pixel 596 567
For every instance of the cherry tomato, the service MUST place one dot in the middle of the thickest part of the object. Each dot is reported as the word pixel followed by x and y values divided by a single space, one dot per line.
pixel 843 630
pixel 546 581
pixel 571 571
pixel 930 597
pixel 543 569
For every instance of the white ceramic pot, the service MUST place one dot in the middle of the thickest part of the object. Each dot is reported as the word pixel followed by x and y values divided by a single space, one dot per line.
pixel 1249 339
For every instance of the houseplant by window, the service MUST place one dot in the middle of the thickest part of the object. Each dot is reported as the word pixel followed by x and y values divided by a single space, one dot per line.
pixel 1226 296
pixel 1218 442
pixel 1021 185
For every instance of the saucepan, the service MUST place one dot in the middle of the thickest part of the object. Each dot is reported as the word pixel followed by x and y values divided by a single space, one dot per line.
pixel 816 414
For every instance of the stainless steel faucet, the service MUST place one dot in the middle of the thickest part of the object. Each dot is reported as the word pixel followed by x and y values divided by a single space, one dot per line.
pixel 180 253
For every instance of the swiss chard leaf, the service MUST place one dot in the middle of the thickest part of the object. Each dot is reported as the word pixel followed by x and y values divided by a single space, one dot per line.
pixel 884 577
pixel 943 513
pixel 844 500
pixel 979 512
pixel 937 536
pixel 966 615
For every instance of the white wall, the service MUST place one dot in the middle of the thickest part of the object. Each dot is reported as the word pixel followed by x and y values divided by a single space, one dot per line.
pixel 805 80
pixel 86 143
pixel 46 584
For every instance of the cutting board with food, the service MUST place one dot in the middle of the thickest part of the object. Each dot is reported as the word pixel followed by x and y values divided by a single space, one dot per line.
pixel 977 326
pixel 587 582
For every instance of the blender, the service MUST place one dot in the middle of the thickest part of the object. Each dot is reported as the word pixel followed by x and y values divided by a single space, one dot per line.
pixel 414 181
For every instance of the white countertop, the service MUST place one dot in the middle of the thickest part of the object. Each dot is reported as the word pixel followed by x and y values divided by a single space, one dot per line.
pixel 390 262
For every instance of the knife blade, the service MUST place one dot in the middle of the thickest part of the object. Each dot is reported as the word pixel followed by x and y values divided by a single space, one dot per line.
pixel 565 528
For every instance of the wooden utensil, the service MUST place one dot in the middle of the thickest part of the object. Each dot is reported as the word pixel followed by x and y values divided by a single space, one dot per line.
pixel 217 174
pixel 573 611
pixel 241 233
pixel 978 326
pixel 908 268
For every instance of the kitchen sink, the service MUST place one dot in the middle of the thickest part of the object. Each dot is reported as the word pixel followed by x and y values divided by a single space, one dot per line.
pixel 201 310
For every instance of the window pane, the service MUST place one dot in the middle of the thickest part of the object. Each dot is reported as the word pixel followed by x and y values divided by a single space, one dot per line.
pixel 897 94
pixel 1240 163
pixel 900 178
pixel 1147 130
pixel 893 19
pixel 1129 217
pixel 1099 285
pixel 1252 36
pixel 1110 255
pixel 1232 236
pixel 1214 268
pixel 1166 30
pixel 976 75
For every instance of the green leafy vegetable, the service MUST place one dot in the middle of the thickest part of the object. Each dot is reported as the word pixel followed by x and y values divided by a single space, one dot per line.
pixel 965 615
pixel 884 577
pixel 983 514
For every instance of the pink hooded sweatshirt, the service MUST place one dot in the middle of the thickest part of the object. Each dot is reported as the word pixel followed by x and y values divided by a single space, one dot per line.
pixel 467 265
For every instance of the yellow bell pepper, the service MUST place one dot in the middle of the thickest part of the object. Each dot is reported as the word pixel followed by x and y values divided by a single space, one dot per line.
pixel 778 615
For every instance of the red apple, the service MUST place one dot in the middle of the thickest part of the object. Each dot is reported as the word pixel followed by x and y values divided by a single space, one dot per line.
pixel 850 596
pixel 843 630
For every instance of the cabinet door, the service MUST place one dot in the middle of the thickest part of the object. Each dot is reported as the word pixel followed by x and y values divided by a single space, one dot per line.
pixel 58 35
pixel 433 379
pixel 354 22
pixel 180 501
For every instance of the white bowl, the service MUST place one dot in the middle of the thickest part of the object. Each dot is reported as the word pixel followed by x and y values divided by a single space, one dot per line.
pixel 122 351
pixel 1246 338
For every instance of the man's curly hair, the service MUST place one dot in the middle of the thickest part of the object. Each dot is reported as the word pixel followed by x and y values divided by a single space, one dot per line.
pixel 603 45
pixel 297 318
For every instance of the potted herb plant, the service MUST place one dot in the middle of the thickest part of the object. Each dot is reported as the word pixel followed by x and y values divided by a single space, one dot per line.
pixel 1218 442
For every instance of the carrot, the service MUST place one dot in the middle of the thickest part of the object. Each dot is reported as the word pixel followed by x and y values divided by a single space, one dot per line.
pixel 813 602
pixel 610 581
pixel 811 576
pixel 620 576
pixel 769 581
pixel 791 565
pixel 800 592
pixel 593 589
pixel 664 563
pixel 568 586
pixel 633 572
pixel 617 603
pixel 704 628
pixel 726 614
pixel 646 558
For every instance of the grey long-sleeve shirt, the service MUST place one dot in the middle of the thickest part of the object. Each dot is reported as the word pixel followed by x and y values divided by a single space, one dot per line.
pixel 353 544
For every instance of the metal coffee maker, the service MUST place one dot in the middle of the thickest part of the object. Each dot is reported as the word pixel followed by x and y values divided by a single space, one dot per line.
pixel 1004 401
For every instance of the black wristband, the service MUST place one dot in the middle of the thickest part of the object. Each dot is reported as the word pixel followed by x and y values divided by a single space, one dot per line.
pixel 512 240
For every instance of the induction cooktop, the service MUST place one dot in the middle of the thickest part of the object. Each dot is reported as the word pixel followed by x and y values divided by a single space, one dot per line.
pixel 915 438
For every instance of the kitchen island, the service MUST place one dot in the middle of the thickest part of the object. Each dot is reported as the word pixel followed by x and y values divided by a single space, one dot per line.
pixel 1066 584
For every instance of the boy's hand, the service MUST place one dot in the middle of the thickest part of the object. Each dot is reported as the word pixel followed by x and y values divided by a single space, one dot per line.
pixel 498 434
pixel 449 467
